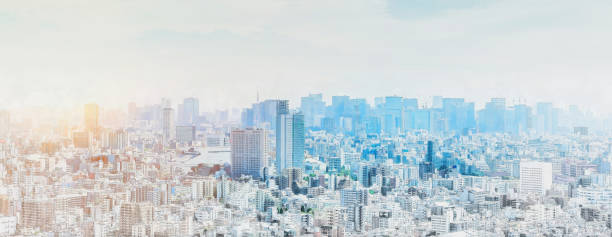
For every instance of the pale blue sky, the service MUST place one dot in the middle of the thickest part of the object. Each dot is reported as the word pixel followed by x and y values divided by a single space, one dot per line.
pixel 69 52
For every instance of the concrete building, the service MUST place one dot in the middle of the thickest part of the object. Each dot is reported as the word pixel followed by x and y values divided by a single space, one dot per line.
pixel 168 128
pixel 249 151
pixel 535 177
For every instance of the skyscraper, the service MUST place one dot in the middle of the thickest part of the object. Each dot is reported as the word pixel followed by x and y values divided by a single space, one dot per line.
pixel 313 108
pixel 392 118
pixel 189 111
pixel 91 116
pixel 544 118
pixel 284 126
pixel 431 152
pixel 492 118
pixel 359 113
pixel 297 140
pixel 426 167
pixel 261 115
pixel 247 118
pixel 289 138
pixel 459 114
pixel 521 119
pixel 249 149
pixel 168 129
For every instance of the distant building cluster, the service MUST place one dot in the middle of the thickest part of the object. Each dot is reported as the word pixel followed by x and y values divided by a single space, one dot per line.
pixel 393 168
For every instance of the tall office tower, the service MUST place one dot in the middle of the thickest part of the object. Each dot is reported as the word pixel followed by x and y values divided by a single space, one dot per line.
pixel 520 119
pixel 5 120
pixel 261 115
pixel 282 107
pixel 492 119
pixel 247 118
pixel 297 140
pixel 459 115
pixel 340 112
pixel 91 116
pixel 576 116
pixel 181 117
pixel 392 115
pixel 426 167
pixel 431 151
pixel 544 118
pixel 409 108
pixel 422 119
pixel 248 152
pixel 313 108
pixel 265 114
pixel 340 105
pixel 535 177
pixel 289 138
pixel 359 114
pixel 372 125
pixel 38 213
pixel 168 128
pixel 189 111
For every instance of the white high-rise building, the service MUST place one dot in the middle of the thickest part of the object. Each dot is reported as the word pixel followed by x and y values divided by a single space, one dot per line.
pixel 535 177
pixel 289 138
pixel 249 150
pixel 168 127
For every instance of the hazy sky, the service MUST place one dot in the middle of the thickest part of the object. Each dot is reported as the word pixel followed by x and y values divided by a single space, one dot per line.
pixel 114 51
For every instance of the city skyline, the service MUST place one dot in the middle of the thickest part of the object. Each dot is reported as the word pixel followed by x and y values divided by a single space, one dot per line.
pixel 176 103
pixel 305 118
